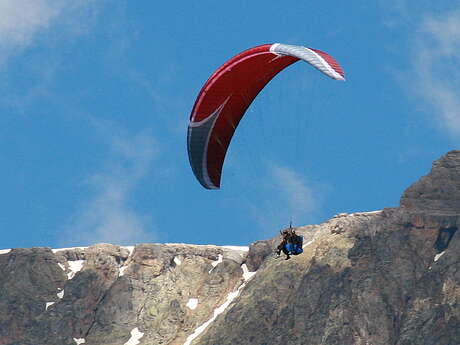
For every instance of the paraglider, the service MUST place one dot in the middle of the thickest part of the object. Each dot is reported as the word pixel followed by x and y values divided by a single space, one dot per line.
pixel 291 243
pixel 227 94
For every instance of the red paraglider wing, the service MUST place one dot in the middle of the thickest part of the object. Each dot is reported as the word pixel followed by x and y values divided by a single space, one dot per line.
pixel 227 94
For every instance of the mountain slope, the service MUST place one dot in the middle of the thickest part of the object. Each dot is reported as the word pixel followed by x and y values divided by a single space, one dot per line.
pixel 380 278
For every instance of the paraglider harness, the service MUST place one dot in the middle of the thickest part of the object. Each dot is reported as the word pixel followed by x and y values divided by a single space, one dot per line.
pixel 291 243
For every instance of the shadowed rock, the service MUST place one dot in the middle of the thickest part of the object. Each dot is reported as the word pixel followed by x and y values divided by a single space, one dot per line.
pixel 439 191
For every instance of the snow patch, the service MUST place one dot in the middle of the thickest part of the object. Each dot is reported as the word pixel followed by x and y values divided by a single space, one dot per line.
pixel 215 263
pixel 74 266
pixel 192 303
pixel 307 244
pixel 136 335
pixel 365 213
pixel 246 274
pixel 61 249
pixel 239 248
pixel 177 261
pixel 121 272
pixel 438 256
pixel 60 294
pixel 49 304
pixel 79 341
pixel 5 251
pixel 219 310
pixel 130 248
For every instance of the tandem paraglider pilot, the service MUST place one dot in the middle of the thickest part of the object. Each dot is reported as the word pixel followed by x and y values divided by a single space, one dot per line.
pixel 291 243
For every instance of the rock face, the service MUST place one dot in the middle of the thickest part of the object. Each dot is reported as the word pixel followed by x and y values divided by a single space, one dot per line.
pixel 369 278
pixel 102 293
pixel 439 191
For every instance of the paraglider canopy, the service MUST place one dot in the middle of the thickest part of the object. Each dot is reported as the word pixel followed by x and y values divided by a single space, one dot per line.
pixel 227 94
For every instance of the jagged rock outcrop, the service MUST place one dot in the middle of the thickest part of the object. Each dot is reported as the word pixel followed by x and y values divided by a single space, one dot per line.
pixel 367 278
pixel 439 191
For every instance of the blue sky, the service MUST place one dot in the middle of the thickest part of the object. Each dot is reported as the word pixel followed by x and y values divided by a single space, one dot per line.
pixel 96 97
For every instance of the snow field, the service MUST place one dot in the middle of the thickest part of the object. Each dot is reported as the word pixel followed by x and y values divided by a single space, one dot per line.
pixel 438 256
pixel 136 335
pixel 192 303
pixel 215 263
pixel 74 266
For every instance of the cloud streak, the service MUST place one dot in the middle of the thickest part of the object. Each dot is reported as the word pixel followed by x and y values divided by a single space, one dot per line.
pixel 295 190
pixel 22 21
pixel 39 28
pixel 106 215
pixel 432 54
pixel 437 47
pixel 291 197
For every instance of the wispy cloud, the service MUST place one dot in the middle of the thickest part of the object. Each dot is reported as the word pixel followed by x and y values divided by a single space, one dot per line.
pixel 285 195
pixel 432 52
pixel 105 215
pixel 437 51
pixel 295 190
pixel 39 28
pixel 407 13
pixel 22 21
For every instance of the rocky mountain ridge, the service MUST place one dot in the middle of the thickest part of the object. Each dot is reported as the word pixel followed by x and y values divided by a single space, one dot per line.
pixel 367 278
